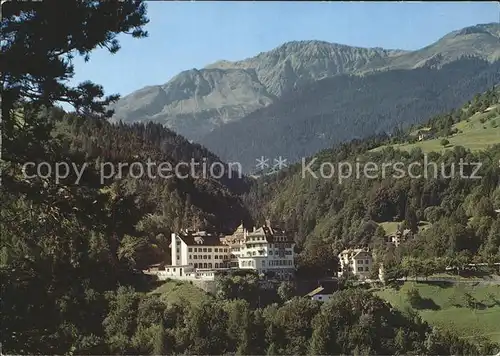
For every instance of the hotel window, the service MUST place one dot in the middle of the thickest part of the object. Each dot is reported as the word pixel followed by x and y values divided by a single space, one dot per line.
pixel 195 249
pixel 366 269
pixel 270 253
pixel 190 249
pixel 263 263
pixel 360 262
pixel 190 257
pixel 204 249
pixel 178 257
pixel 367 262
pixel 216 250
pixel 216 257
pixel 209 250
pixel 360 269
pixel 178 250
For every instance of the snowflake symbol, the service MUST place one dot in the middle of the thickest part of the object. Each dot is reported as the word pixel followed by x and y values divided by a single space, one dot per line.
pixel 279 163
pixel 262 163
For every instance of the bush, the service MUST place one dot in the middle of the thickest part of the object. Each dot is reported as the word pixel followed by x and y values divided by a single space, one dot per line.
pixel 445 142
pixel 413 296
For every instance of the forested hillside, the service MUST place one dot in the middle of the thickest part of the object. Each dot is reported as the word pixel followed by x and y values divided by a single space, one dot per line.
pixel 458 212
pixel 339 109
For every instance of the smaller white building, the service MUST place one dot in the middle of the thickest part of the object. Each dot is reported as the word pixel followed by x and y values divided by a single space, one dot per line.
pixel 322 293
pixel 357 262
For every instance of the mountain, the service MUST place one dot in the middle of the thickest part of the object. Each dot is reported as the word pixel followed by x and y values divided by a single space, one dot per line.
pixel 197 101
pixel 333 110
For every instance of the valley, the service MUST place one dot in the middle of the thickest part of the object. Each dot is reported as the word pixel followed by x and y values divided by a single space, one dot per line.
pixel 188 260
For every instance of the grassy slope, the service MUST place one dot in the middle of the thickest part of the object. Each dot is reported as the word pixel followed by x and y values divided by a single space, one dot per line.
pixel 475 136
pixel 465 321
pixel 175 292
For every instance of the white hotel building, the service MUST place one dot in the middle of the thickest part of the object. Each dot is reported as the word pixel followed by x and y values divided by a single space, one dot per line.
pixel 266 250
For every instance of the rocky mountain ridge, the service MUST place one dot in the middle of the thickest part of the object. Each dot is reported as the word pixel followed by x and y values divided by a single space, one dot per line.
pixel 197 101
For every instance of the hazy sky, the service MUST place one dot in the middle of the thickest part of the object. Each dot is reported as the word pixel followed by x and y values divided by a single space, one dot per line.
pixel 186 35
